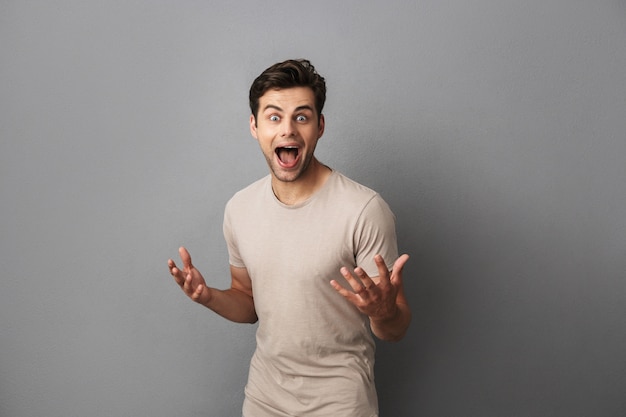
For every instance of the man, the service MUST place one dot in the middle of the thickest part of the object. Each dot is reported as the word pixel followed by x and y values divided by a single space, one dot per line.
pixel 307 250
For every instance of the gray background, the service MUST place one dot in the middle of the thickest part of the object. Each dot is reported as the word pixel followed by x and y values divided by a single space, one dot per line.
pixel 495 129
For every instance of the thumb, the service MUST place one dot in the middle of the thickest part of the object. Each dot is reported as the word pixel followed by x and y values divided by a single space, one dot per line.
pixel 398 265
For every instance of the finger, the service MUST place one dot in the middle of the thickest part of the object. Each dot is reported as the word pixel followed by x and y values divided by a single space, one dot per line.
pixel 171 265
pixel 175 272
pixel 197 293
pixel 349 295
pixel 383 272
pixel 356 285
pixel 398 265
pixel 366 282
pixel 361 286
pixel 187 283
pixel 185 257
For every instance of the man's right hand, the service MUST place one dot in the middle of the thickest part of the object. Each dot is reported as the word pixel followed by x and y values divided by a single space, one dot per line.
pixel 190 279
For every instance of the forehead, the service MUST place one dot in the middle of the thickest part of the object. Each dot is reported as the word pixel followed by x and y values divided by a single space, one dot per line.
pixel 288 98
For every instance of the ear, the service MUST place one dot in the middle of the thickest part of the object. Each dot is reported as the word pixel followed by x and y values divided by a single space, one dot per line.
pixel 253 126
pixel 320 126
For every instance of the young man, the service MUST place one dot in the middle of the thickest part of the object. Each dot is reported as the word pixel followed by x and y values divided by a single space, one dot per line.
pixel 307 250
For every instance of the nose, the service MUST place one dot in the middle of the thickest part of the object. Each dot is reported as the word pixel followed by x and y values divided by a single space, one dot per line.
pixel 288 128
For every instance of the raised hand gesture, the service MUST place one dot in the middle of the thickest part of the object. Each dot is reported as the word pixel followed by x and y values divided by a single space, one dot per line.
pixel 190 279
pixel 380 298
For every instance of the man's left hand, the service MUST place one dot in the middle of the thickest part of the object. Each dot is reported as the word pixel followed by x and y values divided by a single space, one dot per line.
pixel 374 296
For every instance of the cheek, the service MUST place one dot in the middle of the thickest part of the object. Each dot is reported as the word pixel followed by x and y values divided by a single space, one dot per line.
pixel 315 134
pixel 265 131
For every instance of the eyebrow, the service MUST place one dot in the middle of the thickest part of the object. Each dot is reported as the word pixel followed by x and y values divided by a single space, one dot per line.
pixel 299 108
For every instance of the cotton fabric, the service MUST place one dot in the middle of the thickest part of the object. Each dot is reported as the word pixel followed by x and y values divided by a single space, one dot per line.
pixel 315 350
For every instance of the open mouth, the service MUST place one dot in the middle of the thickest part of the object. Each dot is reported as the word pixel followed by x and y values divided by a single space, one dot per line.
pixel 288 155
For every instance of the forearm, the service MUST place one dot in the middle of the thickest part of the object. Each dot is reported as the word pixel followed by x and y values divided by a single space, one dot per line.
pixel 233 305
pixel 394 328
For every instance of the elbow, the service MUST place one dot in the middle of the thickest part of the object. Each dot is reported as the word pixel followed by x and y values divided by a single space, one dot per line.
pixel 250 318
pixel 245 320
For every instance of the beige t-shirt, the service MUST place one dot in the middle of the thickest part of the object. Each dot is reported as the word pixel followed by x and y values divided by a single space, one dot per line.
pixel 315 351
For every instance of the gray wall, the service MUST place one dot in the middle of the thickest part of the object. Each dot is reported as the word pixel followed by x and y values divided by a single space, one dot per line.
pixel 495 129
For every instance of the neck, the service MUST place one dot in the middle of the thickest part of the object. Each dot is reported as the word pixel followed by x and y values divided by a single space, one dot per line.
pixel 299 190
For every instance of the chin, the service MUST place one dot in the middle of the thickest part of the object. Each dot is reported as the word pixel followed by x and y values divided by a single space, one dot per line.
pixel 286 177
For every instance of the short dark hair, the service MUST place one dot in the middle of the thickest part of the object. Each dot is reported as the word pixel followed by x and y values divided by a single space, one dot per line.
pixel 288 74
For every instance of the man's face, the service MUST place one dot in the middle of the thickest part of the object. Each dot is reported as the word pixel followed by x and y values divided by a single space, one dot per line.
pixel 287 128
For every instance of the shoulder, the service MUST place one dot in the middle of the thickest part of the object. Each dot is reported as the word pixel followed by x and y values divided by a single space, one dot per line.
pixel 345 186
pixel 356 195
pixel 362 198
pixel 249 194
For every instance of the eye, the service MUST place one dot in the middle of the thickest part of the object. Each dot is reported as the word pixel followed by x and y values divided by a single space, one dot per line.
pixel 274 118
pixel 301 118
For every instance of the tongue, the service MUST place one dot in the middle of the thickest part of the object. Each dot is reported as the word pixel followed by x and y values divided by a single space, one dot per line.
pixel 287 156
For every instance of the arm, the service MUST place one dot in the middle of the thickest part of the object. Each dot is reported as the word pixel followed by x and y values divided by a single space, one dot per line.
pixel 381 298
pixel 235 304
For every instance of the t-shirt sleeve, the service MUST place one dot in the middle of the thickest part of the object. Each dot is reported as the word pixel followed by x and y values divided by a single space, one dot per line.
pixel 375 233
pixel 234 257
